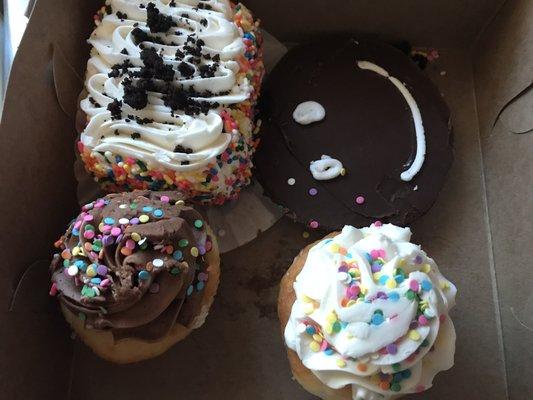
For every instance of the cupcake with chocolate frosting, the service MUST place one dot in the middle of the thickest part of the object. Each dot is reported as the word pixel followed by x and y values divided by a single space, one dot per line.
pixel 135 273
pixel 169 99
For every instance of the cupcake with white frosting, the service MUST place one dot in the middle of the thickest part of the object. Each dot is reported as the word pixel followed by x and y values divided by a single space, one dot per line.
pixel 170 94
pixel 365 315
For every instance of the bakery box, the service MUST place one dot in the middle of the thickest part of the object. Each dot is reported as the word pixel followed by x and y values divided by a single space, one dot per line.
pixel 479 231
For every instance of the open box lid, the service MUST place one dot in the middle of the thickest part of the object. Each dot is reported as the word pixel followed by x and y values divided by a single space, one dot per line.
pixel 479 230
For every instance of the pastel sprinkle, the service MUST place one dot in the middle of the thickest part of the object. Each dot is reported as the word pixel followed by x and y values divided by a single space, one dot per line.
pixel 123 221
pixel 414 335
pixel 198 224
pixel 194 251
pixel 91 271
pixel 144 218
pixel 341 363
pixel 313 192
pixel 147 209
pixel 183 243
pixel 391 284
pixel 395 387
pixel 165 199
pixel 200 285
pixel 359 200
pixel 158 213
pixel 291 181
pixel 177 255
pixel 317 338
pixel 392 348
pixel 115 231
pixel 310 330
pixel 135 236
pixel 377 319
pixel 414 286
pixel 175 271
pixel 88 234
pixel 73 270
pixel 144 275
pixel 394 296
pixel 53 289
pixel 158 263
pixel 313 224
pixel 362 367
pixel 109 221
pixel 202 276
pixel 88 291
pixel 426 285
pixel 315 346
pixel 101 270
pixel 190 290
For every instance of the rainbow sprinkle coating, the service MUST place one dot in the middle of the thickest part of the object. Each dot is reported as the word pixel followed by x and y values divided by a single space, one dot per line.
pixel 224 177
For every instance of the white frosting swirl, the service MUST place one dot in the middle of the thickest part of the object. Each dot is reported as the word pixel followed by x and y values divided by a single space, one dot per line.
pixel 372 312
pixel 161 141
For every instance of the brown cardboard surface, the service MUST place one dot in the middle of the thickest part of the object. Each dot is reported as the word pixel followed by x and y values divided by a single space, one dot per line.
pixel 504 68
pixel 426 23
pixel 239 353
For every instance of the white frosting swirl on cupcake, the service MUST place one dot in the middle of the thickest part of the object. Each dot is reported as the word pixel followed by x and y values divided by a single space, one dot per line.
pixel 372 312
pixel 202 46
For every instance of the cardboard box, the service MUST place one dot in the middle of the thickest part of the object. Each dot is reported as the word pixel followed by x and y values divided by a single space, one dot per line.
pixel 479 231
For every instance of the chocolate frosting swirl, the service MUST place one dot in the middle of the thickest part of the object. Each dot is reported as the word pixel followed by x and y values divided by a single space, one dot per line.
pixel 134 263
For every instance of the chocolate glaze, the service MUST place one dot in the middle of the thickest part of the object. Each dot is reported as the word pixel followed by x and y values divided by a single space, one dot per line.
pixel 128 307
pixel 368 127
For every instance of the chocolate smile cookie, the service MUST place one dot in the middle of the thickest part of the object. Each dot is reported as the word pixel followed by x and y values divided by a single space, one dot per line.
pixel 382 150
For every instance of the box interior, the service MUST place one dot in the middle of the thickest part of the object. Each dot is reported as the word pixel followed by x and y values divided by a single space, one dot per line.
pixel 477 232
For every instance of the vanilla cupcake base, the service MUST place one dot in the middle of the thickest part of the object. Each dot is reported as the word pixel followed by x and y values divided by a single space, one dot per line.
pixel 130 350
pixel 303 375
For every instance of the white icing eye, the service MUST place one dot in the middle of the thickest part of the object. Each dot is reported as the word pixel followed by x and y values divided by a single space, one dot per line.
pixel 308 112
pixel 326 168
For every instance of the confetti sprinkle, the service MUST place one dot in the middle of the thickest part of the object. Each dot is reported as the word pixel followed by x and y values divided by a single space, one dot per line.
pixel 144 275
pixel 291 181
pixel 414 335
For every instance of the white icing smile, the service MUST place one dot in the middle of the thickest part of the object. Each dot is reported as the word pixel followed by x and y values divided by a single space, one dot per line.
pixel 415 167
